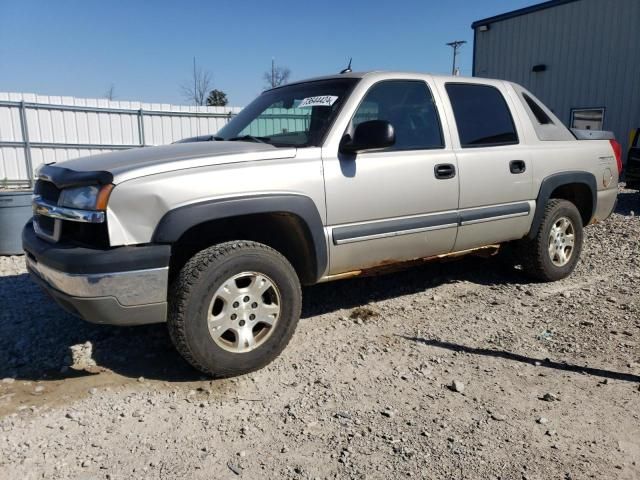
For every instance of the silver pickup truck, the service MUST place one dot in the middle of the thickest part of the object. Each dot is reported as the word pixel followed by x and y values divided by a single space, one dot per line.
pixel 314 181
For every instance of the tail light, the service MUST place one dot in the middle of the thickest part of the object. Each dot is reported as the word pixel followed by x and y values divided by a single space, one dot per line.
pixel 617 150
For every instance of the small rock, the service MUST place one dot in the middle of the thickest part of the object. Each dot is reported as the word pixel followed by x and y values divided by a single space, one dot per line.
pixel 542 420
pixel 81 356
pixel 8 380
pixel 242 453
pixel 141 379
pixel 284 449
pixel 389 413
pixel 72 416
pixel 550 397
pixel 86 463
pixel 566 294
pixel 457 386
pixel 39 389
pixel 545 335
pixel 93 391
pixel 234 468
pixel 498 417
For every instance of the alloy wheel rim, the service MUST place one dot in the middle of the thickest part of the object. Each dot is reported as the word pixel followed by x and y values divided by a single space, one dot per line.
pixel 561 241
pixel 243 312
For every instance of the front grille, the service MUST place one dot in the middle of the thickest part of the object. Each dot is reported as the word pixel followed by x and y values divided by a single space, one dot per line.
pixel 46 224
pixel 94 235
pixel 48 191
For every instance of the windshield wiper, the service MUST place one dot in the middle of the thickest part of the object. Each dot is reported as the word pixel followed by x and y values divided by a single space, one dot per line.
pixel 249 138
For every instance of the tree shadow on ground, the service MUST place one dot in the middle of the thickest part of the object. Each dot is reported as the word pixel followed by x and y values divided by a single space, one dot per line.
pixel 488 352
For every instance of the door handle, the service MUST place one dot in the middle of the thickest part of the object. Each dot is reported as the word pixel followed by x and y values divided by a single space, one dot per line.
pixel 517 166
pixel 444 171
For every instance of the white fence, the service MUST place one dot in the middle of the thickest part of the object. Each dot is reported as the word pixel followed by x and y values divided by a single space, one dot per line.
pixel 35 129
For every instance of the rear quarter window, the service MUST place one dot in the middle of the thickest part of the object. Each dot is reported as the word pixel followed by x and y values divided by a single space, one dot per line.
pixel 538 112
pixel 482 115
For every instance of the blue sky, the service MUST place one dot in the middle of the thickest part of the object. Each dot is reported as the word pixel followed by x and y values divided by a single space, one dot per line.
pixel 79 48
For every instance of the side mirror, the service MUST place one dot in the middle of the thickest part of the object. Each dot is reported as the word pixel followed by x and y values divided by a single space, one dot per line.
pixel 369 135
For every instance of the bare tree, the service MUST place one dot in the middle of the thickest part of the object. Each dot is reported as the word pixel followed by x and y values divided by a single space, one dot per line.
pixel 197 89
pixel 110 94
pixel 279 75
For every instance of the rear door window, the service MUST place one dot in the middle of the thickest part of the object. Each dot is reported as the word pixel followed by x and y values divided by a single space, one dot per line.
pixel 482 115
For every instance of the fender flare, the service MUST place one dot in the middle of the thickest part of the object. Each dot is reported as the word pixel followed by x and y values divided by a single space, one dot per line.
pixel 176 222
pixel 550 183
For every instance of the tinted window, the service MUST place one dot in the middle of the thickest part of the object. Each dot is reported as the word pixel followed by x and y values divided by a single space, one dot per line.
pixel 482 115
pixel 409 107
pixel 538 112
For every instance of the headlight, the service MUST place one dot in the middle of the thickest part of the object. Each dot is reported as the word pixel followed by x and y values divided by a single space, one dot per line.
pixel 91 197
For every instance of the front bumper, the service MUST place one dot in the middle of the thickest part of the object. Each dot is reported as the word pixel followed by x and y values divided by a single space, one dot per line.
pixel 117 286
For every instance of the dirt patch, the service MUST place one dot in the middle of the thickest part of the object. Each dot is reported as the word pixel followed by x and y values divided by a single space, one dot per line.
pixel 363 313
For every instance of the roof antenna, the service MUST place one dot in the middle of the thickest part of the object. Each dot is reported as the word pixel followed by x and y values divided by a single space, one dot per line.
pixel 348 69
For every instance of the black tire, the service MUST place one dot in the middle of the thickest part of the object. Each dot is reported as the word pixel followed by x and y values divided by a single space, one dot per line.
pixel 191 295
pixel 534 254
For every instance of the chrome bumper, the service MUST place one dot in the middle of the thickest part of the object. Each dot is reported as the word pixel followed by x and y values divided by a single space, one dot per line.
pixel 42 207
pixel 139 287
pixel 116 286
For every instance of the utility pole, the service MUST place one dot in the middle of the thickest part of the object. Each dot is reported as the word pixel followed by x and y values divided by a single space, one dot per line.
pixel 195 83
pixel 456 46
pixel 273 72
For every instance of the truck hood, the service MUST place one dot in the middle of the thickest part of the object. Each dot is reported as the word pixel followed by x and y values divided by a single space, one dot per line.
pixel 137 162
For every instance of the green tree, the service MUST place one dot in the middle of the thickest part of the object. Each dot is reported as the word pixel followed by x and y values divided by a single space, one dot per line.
pixel 217 98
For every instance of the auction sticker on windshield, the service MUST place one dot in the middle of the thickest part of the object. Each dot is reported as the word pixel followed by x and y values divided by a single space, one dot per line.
pixel 318 101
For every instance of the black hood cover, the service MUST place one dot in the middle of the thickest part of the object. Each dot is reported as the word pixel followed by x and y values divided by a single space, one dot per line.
pixel 64 178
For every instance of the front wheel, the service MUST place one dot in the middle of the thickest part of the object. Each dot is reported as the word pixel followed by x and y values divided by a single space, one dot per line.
pixel 553 253
pixel 233 308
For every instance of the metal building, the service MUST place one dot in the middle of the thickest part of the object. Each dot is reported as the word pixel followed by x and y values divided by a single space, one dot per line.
pixel 580 57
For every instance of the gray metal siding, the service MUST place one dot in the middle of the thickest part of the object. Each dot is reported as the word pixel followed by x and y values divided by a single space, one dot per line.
pixel 592 52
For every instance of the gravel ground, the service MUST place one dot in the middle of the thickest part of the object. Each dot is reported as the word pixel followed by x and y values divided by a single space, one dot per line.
pixel 461 369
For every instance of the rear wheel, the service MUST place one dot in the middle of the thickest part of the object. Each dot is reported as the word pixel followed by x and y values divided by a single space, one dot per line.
pixel 234 307
pixel 553 253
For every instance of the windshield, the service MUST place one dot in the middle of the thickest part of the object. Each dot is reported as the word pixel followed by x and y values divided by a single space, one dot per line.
pixel 294 115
